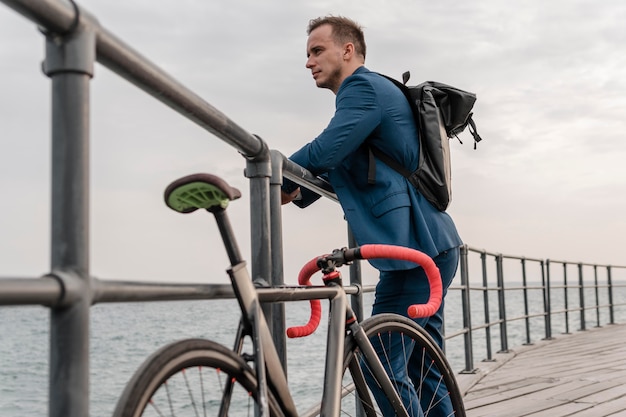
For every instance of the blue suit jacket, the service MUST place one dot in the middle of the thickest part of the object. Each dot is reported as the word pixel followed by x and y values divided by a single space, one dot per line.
pixel 371 110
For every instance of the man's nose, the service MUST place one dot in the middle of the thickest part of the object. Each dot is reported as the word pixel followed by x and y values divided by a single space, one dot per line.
pixel 309 62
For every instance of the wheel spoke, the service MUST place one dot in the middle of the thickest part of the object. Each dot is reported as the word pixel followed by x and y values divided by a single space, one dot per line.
pixel 417 368
pixel 193 403
pixel 156 409
pixel 202 390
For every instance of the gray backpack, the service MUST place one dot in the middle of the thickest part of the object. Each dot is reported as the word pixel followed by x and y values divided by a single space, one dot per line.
pixel 441 112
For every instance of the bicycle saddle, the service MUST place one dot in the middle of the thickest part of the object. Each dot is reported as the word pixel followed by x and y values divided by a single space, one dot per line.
pixel 199 191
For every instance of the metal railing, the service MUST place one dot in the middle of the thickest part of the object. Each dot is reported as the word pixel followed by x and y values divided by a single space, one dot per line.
pixel 74 42
pixel 595 289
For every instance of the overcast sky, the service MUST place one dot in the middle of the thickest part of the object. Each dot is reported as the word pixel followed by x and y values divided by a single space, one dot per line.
pixel 548 180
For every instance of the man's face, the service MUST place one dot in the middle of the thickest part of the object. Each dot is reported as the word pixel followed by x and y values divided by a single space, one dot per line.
pixel 325 58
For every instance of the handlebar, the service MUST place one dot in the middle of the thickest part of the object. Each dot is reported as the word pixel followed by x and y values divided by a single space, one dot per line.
pixel 328 263
pixel 304 276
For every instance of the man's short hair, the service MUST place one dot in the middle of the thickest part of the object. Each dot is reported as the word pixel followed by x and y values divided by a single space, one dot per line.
pixel 344 30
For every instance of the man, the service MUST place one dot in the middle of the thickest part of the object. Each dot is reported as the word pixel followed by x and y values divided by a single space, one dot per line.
pixel 371 111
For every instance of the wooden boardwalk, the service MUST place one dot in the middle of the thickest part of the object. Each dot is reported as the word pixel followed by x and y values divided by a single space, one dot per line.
pixel 581 375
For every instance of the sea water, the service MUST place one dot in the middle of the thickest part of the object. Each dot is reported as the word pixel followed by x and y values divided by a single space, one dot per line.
pixel 123 335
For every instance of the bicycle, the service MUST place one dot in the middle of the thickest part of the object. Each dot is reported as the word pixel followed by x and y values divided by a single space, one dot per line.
pixel 200 377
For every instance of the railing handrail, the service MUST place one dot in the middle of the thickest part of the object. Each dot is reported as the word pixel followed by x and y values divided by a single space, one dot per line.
pixel 58 17
pixel 520 258
pixel 547 285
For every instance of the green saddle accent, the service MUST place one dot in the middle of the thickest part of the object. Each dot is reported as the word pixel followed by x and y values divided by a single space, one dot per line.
pixel 197 195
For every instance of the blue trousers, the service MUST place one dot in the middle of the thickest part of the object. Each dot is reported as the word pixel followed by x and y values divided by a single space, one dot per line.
pixel 395 292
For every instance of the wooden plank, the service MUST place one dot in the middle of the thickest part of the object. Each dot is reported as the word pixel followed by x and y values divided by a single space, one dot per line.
pixel 582 374
pixel 515 407
pixel 617 393
pixel 566 409
pixel 613 408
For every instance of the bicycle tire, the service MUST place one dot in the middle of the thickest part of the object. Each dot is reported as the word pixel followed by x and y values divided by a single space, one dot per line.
pixel 386 324
pixel 188 377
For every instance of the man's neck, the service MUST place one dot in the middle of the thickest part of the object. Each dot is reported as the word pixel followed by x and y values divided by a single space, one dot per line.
pixel 348 71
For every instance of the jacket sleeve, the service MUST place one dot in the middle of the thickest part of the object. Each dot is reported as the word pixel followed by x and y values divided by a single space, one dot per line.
pixel 357 114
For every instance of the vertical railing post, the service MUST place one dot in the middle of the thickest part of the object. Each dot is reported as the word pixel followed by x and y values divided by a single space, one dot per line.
pixel 581 296
pixel 504 339
pixel 277 278
pixel 467 311
pixel 486 309
pixel 597 294
pixel 547 305
pixel 259 172
pixel 69 64
pixel 609 280
pixel 566 298
pixel 526 310
pixel 356 301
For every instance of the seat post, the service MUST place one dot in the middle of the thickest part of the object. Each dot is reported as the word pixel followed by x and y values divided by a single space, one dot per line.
pixel 228 237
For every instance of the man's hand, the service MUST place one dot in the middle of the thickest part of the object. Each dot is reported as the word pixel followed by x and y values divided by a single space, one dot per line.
pixel 288 198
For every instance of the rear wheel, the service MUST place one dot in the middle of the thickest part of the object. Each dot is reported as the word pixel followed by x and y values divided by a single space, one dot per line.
pixel 194 377
pixel 431 379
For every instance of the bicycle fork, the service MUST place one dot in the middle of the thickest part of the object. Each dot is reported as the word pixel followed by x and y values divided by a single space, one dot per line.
pixel 376 368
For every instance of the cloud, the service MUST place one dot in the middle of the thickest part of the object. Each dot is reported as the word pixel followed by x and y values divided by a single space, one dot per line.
pixel 546 181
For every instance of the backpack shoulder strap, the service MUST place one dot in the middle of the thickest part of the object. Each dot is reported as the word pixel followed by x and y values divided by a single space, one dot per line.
pixel 375 152
pixel 389 161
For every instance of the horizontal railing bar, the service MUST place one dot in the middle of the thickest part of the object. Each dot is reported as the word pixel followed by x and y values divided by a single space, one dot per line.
pixel 457 333
pixel 369 288
pixel 588 286
pixel 30 291
pixel 485 325
pixel 522 258
pixel 552 261
pixel 302 293
pixel 57 17
pixel 48 291
pixel 526 316
pixel 529 287
pixel 296 173
pixel 568 286
pixel 109 291
pixel 535 287
pixel 482 251
pixel 121 59
pixel 570 310
pixel 472 288
pixel 595 307
pixel 578 309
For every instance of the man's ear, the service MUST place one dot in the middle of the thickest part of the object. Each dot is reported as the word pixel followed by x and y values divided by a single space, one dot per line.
pixel 348 50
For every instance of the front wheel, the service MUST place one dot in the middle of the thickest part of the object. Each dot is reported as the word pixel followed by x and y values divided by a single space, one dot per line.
pixel 194 377
pixel 417 367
